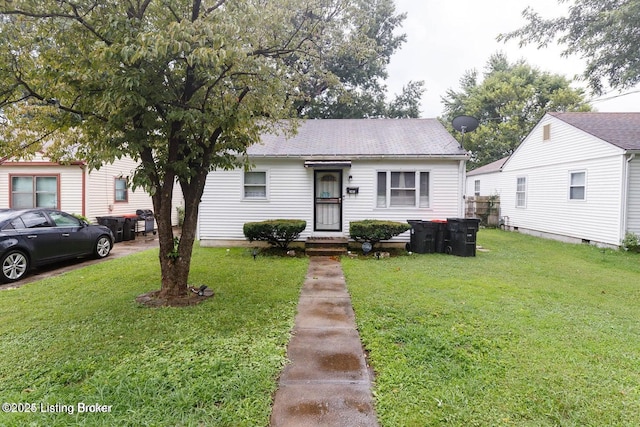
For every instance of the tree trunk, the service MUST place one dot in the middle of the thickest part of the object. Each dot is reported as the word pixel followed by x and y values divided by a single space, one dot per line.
pixel 175 261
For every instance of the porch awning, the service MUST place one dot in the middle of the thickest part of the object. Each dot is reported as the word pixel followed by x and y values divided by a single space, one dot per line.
pixel 327 164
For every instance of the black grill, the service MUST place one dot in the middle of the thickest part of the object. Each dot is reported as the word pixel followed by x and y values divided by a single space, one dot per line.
pixel 146 215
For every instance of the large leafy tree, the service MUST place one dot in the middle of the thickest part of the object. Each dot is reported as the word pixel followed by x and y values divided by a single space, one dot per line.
pixel 182 86
pixel 603 32
pixel 508 100
pixel 358 89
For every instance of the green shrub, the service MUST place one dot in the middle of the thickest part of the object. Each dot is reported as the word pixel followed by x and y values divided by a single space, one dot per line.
pixel 374 231
pixel 180 210
pixel 631 242
pixel 278 232
pixel 82 218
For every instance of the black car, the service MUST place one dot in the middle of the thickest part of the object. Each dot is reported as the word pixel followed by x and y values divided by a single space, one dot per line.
pixel 32 237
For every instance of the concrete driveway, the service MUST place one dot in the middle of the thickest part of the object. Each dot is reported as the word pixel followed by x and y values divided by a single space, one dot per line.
pixel 120 249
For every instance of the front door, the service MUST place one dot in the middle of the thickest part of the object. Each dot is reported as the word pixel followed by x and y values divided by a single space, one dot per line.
pixel 328 200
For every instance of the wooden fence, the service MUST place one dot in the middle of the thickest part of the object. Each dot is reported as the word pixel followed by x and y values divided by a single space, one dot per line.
pixel 486 208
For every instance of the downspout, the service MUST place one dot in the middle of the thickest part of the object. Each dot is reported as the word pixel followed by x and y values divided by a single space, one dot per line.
pixel 625 196
pixel 462 173
pixel 83 168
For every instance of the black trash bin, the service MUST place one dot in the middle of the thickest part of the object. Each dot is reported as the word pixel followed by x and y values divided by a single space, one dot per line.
pixel 115 224
pixel 129 229
pixel 423 236
pixel 441 234
pixel 461 236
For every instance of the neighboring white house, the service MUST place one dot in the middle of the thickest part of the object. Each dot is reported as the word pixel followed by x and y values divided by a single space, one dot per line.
pixel 575 177
pixel 485 180
pixel 39 182
pixel 333 172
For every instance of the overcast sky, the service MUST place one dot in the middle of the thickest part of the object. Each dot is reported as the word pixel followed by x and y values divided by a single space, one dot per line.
pixel 447 37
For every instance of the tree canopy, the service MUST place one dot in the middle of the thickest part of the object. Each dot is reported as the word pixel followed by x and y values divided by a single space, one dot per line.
pixel 359 90
pixel 182 86
pixel 508 100
pixel 603 32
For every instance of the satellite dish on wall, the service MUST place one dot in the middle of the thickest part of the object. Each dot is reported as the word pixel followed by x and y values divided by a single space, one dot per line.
pixel 465 124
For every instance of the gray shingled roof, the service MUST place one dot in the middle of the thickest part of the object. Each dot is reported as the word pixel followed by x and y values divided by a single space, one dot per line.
pixel 362 137
pixel 619 129
pixel 490 167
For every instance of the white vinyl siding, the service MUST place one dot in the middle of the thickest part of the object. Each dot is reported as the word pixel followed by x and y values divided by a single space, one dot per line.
pixel 570 146
pixel 70 193
pixel 486 184
pixel 548 169
pixel 224 211
pixel 79 191
pixel 102 193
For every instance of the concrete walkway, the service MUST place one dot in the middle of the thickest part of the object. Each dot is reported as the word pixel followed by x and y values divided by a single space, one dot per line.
pixel 327 382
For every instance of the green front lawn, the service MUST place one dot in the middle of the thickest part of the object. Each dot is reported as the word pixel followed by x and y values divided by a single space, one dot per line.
pixel 81 338
pixel 531 333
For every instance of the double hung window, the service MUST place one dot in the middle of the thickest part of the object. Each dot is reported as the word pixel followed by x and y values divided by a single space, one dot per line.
pixel 402 189
pixel 121 192
pixel 521 192
pixel 578 186
pixel 255 185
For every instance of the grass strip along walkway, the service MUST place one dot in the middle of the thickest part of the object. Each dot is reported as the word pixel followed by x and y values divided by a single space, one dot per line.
pixel 532 333
pixel 80 338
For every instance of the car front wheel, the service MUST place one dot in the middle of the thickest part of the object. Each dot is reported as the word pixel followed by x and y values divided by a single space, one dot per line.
pixel 103 247
pixel 15 265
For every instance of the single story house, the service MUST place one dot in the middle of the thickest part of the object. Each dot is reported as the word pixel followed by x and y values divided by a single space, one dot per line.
pixel 575 177
pixel 485 179
pixel 336 171
pixel 40 182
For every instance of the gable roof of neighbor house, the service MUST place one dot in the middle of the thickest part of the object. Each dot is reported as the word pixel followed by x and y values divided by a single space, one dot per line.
pixel 619 129
pixel 362 138
pixel 490 167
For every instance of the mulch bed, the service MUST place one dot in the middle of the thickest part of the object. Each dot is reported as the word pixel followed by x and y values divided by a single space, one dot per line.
pixel 151 299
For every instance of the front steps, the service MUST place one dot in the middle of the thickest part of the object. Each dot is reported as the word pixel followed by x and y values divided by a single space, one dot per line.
pixel 326 246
